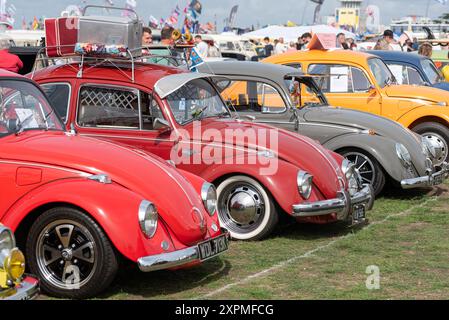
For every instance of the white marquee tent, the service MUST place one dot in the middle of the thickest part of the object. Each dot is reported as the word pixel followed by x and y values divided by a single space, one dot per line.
pixel 293 33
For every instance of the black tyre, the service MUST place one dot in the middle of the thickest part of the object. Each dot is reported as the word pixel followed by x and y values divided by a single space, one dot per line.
pixel 246 209
pixel 369 168
pixel 439 134
pixel 70 254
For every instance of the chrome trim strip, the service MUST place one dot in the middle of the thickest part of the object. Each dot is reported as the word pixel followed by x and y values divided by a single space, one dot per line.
pixel 25 163
pixel 173 259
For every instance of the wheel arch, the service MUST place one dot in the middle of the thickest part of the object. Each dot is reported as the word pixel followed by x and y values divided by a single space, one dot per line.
pixel 430 119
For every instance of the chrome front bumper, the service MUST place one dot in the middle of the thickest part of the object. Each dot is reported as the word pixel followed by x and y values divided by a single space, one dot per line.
pixel 173 259
pixel 342 206
pixel 28 289
pixel 427 181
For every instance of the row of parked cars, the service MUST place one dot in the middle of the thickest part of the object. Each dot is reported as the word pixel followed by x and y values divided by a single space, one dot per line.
pixel 105 159
pixel 102 163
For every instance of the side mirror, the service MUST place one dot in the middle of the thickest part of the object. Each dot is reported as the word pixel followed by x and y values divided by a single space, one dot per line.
pixel 161 124
pixel 12 125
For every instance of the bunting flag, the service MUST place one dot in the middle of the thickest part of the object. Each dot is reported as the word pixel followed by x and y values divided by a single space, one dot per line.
pixel 35 24
pixel 130 4
pixel 154 23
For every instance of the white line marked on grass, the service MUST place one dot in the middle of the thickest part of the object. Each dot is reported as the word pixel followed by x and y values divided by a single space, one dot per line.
pixel 308 254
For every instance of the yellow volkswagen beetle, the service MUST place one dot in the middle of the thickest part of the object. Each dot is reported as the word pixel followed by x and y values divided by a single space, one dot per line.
pixel 13 284
pixel 362 81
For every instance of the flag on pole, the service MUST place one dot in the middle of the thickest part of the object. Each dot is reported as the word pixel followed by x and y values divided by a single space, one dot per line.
pixel 24 23
pixel 35 24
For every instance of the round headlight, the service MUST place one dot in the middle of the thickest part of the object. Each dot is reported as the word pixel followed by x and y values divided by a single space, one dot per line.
pixel 403 155
pixel 305 183
pixel 209 196
pixel 352 176
pixel 7 243
pixel 14 265
pixel 148 218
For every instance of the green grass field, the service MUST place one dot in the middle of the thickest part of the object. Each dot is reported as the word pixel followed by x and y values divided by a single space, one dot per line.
pixel 407 239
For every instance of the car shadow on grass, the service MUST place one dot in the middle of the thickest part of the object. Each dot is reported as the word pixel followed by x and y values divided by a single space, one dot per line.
pixel 131 283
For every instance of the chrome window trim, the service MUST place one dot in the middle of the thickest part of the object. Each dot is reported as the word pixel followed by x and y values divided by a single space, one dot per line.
pixel 69 99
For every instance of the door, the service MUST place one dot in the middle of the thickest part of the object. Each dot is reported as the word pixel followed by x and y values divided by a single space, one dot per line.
pixel 124 115
pixel 347 86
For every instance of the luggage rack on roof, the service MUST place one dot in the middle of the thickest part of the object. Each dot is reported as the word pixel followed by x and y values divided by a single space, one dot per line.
pixel 88 62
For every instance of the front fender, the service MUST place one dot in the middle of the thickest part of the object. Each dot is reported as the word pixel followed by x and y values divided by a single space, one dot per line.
pixel 424 112
pixel 381 148
pixel 282 183
pixel 112 206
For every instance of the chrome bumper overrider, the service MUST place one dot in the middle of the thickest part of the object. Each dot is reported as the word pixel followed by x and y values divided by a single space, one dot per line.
pixel 342 206
pixel 173 259
pixel 28 289
pixel 427 181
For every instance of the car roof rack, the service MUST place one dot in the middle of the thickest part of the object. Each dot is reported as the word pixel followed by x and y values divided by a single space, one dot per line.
pixel 88 62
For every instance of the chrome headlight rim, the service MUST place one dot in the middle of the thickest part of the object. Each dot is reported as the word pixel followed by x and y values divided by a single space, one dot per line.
pixel 304 181
pixel 210 198
pixel 353 178
pixel 403 155
pixel 148 218
pixel 6 250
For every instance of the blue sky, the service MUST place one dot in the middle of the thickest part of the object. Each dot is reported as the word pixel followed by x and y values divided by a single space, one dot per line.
pixel 252 12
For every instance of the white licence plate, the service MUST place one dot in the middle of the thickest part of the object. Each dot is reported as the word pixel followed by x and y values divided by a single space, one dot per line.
pixel 359 214
pixel 213 247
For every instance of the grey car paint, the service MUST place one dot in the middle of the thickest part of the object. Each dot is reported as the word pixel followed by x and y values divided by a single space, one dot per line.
pixel 335 128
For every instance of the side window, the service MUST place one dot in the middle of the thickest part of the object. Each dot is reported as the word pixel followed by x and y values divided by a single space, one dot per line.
pixel 107 107
pixel 251 96
pixel 151 111
pixel 414 77
pixel 59 96
pixel 400 73
pixel 297 66
pixel 360 82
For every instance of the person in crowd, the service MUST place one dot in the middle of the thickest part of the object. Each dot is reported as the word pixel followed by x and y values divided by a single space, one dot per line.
pixel 341 41
pixel 445 71
pixel 299 44
pixel 389 37
pixel 292 47
pixel 383 44
pixel 306 38
pixel 9 61
pixel 352 45
pixel 213 51
pixel 426 50
pixel 415 45
pixel 201 46
pixel 147 36
pixel 280 47
pixel 268 47
pixel 408 45
pixel 166 35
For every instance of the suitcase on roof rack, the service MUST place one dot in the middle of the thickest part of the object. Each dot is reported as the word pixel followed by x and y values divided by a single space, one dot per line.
pixel 111 31
pixel 61 35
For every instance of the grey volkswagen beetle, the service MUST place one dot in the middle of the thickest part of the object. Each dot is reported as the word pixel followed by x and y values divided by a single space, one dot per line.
pixel 381 149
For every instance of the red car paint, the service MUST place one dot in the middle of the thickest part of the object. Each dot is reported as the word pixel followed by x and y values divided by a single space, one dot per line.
pixel 295 152
pixel 40 169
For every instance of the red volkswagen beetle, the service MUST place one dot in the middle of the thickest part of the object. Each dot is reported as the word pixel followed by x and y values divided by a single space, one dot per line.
pixel 79 204
pixel 259 171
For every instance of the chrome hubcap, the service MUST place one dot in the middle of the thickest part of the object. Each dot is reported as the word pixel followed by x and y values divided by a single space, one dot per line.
pixel 241 207
pixel 363 165
pixel 440 145
pixel 66 254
